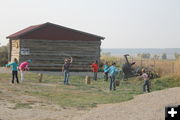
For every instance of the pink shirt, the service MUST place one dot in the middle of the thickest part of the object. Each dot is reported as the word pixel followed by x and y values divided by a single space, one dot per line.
pixel 145 76
pixel 24 66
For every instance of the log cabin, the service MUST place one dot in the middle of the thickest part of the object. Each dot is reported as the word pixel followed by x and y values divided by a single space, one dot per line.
pixel 49 44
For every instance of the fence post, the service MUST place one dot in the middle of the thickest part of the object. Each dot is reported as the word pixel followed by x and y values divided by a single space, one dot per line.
pixel 154 64
pixel 141 61
pixel 172 67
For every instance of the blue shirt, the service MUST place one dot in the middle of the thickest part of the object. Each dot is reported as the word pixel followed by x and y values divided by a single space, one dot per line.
pixel 112 70
pixel 105 67
pixel 13 65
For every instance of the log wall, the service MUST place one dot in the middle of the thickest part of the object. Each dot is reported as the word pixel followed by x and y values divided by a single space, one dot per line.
pixel 50 54
pixel 15 49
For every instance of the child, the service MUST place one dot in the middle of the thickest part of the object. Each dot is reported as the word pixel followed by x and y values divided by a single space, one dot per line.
pixel 65 69
pixel 24 66
pixel 146 81
pixel 14 66
pixel 95 68
pixel 112 71
pixel 105 71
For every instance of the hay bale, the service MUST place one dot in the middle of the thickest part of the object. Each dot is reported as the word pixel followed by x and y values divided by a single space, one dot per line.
pixel 87 80
pixel 117 82
pixel 40 76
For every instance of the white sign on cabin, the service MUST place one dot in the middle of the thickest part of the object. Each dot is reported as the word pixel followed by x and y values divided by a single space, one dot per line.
pixel 25 51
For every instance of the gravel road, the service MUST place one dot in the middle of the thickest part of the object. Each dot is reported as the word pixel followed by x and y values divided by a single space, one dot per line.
pixel 149 106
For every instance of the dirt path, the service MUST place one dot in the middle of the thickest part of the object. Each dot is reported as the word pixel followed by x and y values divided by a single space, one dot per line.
pixel 17 106
pixel 38 112
pixel 31 108
pixel 149 106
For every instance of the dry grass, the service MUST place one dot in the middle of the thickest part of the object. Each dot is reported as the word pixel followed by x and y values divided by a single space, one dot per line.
pixel 111 59
pixel 163 67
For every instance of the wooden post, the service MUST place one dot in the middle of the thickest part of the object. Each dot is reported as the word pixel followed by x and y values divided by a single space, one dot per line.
pixel 154 64
pixel 40 75
pixel 141 61
pixel 87 80
pixel 172 67
pixel 9 50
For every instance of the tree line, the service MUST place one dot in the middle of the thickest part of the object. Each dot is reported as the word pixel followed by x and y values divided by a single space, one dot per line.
pixel 163 56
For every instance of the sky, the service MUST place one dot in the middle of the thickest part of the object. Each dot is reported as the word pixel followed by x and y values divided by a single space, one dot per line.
pixel 123 23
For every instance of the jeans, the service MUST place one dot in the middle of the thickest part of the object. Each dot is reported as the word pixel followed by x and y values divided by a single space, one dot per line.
pixel 106 76
pixel 66 77
pixel 95 76
pixel 15 74
pixel 146 84
pixel 112 83
pixel 22 75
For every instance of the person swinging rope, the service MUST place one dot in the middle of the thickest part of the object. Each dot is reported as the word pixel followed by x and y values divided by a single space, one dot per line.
pixel 65 69
pixel 14 66
pixel 113 71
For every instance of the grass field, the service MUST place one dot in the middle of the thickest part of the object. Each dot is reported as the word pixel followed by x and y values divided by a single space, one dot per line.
pixel 77 94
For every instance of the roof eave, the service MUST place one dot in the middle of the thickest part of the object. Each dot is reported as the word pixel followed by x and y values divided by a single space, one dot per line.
pixel 41 25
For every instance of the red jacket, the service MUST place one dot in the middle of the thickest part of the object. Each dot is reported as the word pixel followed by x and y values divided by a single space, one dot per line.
pixel 95 67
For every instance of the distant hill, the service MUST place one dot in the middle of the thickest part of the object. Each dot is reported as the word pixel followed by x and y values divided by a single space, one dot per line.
pixel 134 51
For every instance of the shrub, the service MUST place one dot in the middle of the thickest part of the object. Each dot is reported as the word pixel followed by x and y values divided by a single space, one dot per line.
pixel 3 55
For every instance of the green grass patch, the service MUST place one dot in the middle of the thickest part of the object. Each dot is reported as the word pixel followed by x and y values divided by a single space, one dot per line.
pixel 22 106
pixel 165 82
pixel 80 95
